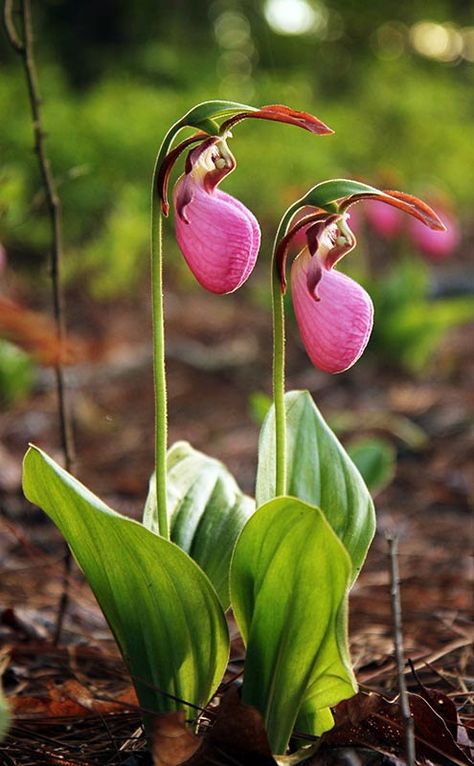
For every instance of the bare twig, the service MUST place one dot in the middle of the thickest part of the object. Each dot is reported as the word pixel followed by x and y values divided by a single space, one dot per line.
pixel 399 654
pixel 24 48
pixel 10 28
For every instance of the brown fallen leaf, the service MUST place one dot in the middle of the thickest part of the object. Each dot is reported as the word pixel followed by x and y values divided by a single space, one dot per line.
pixel 238 734
pixel 446 708
pixel 173 743
pixel 237 738
pixel 36 334
pixel 83 696
pixel 369 720
pixel 70 699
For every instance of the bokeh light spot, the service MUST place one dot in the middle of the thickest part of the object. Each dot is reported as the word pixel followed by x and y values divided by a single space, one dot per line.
pixel 290 17
pixel 389 40
pixel 443 42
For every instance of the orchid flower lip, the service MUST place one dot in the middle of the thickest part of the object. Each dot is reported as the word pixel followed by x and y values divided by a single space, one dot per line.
pixel 335 324
pixel 217 235
pixel 219 239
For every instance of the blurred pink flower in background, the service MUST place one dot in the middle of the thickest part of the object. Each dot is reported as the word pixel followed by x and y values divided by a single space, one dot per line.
pixel 386 221
pixel 389 223
pixel 436 246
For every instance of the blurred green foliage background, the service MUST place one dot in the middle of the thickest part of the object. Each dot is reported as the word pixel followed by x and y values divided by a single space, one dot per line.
pixel 394 79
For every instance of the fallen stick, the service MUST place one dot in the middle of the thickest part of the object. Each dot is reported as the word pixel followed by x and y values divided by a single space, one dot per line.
pixel 409 726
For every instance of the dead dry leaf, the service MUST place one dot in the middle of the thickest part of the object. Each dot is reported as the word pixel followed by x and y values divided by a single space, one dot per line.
pixel 36 334
pixel 70 699
pixel 369 720
pixel 237 738
pixel 173 743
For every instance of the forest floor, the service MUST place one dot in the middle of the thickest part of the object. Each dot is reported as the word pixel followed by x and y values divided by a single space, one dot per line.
pixel 219 355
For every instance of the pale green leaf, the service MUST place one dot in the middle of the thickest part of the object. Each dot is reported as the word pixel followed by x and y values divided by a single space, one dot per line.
pixel 289 581
pixel 312 718
pixel 210 110
pixel 259 405
pixel 326 193
pixel 376 460
pixel 206 511
pixel 161 608
pixel 313 721
pixel 319 472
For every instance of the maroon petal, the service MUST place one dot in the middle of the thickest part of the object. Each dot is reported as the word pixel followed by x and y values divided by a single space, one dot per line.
pixel 344 243
pixel 281 252
pixel 281 113
pixel 406 202
pixel 206 166
pixel 166 167
pixel 336 326
pixel 219 239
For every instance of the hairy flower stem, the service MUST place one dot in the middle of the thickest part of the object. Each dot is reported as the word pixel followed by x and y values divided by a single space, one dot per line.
pixel 161 418
pixel 278 317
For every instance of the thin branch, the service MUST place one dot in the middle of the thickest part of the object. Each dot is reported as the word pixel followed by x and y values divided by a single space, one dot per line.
pixel 10 28
pixel 410 750
pixel 25 50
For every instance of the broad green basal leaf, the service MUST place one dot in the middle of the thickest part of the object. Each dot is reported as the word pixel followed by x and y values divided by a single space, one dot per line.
pixel 289 581
pixel 312 718
pixel 319 472
pixel 206 509
pixel 313 721
pixel 162 609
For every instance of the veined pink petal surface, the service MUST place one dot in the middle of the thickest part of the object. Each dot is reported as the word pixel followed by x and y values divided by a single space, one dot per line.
pixel 220 242
pixel 336 329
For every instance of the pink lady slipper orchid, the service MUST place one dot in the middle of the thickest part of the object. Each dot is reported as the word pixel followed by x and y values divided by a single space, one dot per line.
pixel 218 236
pixel 335 313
